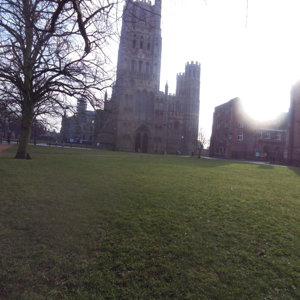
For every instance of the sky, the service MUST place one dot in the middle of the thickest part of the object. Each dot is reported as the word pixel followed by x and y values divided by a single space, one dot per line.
pixel 247 49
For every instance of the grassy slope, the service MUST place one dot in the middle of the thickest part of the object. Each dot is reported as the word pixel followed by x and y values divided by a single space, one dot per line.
pixel 123 226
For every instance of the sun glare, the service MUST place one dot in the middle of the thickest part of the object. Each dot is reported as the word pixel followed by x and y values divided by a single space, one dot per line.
pixel 253 55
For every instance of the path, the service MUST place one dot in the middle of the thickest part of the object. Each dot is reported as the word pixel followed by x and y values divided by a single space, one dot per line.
pixel 3 148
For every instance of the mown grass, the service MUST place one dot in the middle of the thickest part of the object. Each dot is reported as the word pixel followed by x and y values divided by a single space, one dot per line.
pixel 79 224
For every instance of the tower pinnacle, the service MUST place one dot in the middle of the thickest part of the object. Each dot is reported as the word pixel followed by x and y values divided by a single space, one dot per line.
pixel 167 89
pixel 158 4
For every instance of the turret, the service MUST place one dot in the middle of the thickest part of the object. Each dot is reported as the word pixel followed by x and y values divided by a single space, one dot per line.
pixel 180 84
pixel 158 4
pixel 192 80
pixel 190 90
pixel 81 105
pixel 192 70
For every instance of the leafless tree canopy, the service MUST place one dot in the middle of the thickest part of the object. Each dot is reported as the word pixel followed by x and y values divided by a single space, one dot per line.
pixel 202 138
pixel 47 53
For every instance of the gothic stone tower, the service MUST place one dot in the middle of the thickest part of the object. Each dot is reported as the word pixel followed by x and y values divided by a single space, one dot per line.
pixel 188 86
pixel 138 76
pixel 183 111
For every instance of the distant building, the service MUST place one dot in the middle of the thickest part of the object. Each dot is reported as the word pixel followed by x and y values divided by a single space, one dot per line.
pixel 270 144
pixel 236 136
pixel 230 133
pixel 79 128
pixel 139 117
pixel 293 143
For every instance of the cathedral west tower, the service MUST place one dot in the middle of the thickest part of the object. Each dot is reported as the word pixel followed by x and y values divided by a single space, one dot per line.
pixel 138 75
pixel 140 46
pixel 139 117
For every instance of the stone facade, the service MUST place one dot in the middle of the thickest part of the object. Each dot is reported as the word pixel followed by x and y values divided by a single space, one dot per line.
pixel 139 117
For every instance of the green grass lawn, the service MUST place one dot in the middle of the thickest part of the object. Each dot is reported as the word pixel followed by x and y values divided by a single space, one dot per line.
pixel 79 224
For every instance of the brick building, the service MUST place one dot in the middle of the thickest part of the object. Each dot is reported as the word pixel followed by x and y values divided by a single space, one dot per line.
pixel 231 133
pixel 270 144
pixel 235 135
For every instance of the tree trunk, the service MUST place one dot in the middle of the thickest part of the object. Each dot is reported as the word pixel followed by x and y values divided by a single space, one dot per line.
pixel 25 135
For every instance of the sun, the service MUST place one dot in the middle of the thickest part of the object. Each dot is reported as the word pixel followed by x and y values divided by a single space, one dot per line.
pixel 257 61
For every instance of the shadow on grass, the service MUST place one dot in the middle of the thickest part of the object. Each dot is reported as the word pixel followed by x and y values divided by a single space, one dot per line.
pixel 296 170
pixel 215 162
pixel 268 167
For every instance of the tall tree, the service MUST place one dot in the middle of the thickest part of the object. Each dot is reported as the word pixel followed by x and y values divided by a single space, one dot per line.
pixel 51 50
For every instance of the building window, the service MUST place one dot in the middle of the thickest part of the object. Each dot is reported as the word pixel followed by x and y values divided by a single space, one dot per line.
pixel 133 43
pixel 240 137
pixel 278 136
pixel 148 46
pixel 142 42
pixel 265 135
pixel 240 125
pixel 154 68
pixel 132 66
pixel 140 66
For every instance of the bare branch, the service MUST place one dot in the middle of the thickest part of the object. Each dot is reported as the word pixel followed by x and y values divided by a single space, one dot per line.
pixel 48 54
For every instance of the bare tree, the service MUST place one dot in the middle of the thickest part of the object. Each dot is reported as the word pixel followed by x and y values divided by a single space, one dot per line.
pixel 202 141
pixel 48 54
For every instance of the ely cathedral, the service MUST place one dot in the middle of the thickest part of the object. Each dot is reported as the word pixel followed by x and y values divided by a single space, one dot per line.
pixel 139 117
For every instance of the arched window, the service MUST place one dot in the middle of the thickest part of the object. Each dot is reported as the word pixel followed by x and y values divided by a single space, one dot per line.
pixel 142 42
pixel 132 65
pixel 134 41
pixel 138 142
pixel 140 66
